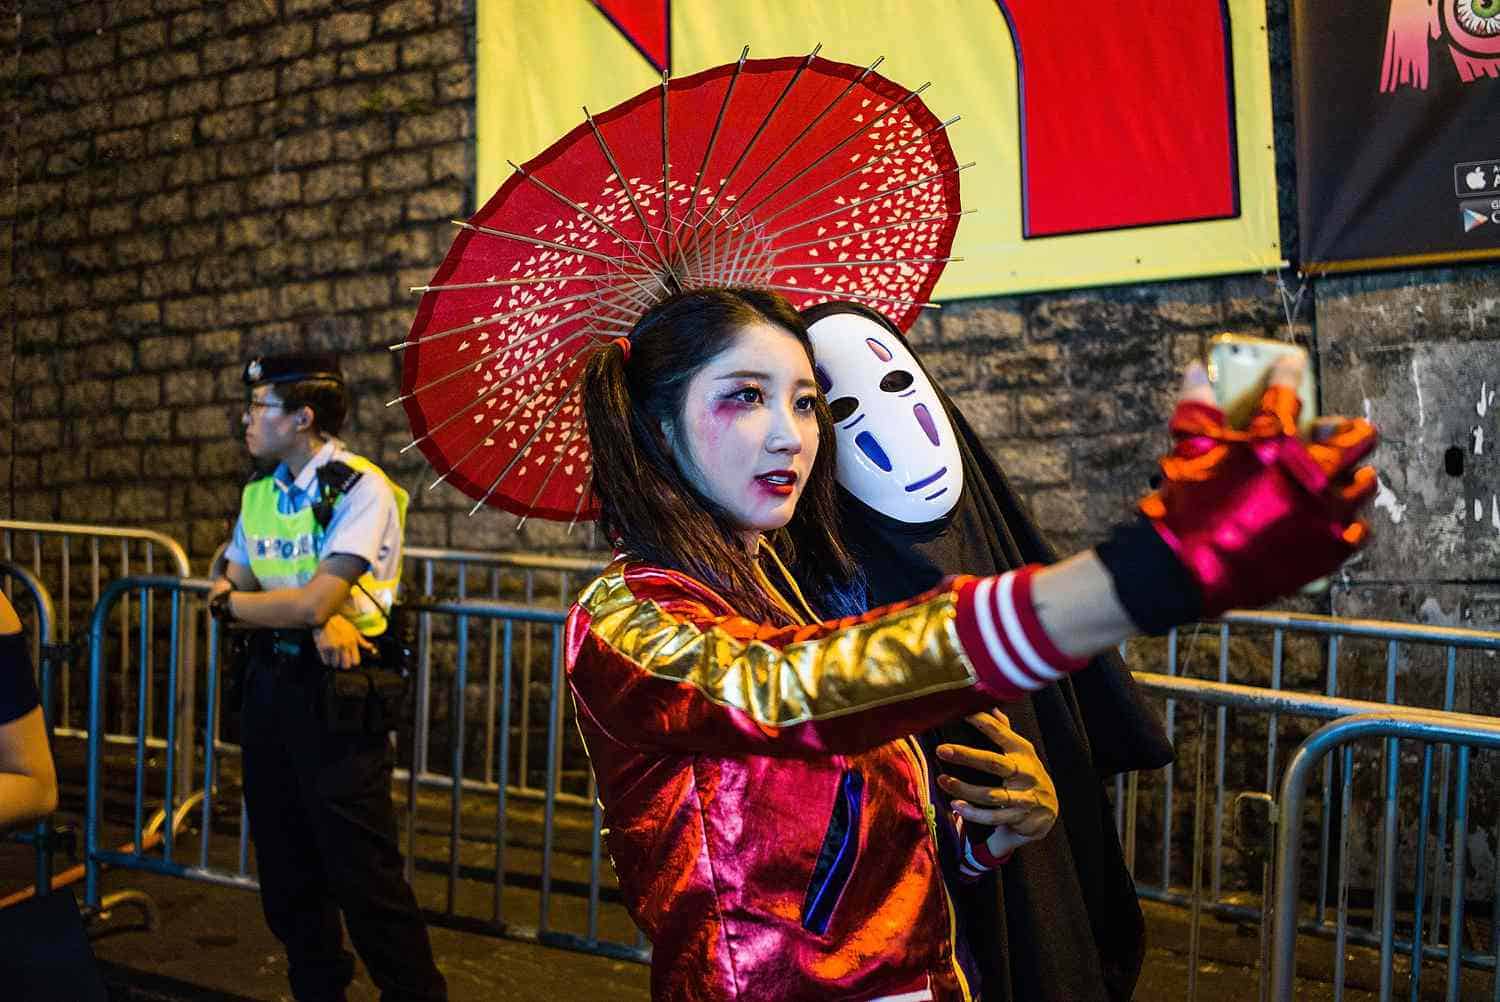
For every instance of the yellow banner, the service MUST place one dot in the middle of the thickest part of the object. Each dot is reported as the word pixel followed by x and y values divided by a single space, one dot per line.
pixel 1120 149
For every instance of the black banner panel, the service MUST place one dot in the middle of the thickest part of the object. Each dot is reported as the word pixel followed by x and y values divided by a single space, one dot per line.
pixel 1398 132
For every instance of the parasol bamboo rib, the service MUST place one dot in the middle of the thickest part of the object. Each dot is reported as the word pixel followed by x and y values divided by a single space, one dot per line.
pixel 865 263
pixel 538 242
pixel 764 122
pixel 583 496
pixel 499 282
pixel 886 193
pixel 851 172
pixel 508 346
pixel 809 127
pixel 551 413
pixel 573 433
pixel 615 289
pixel 666 158
pixel 488 435
pixel 492 319
pixel 666 176
pixel 805 168
pixel 900 223
pixel 840 294
pixel 624 184
pixel 496 388
pixel 713 137
pixel 564 199
pixel 762 257
pixel 741 259
pixel 744 249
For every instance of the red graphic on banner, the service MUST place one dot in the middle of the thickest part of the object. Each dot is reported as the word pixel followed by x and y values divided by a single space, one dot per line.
pixel 648 26
pixel 1126 120
pixel 1472 28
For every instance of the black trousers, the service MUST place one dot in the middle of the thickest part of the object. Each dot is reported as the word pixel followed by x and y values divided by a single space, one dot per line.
pixel 325 842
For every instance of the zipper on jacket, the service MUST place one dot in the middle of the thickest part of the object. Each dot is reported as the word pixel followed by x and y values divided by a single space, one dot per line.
pixel 836 857
pixel 924 792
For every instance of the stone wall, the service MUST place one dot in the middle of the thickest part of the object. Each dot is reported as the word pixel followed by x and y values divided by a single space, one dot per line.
pixel 197 181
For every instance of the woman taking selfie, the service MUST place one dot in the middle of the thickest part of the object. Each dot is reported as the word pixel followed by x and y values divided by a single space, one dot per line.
pixel 773 828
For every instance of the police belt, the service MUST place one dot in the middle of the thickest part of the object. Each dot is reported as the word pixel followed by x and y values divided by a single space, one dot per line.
pixel 284 648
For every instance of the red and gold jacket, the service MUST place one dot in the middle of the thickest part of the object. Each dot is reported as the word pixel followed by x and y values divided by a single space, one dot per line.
pixel 769 820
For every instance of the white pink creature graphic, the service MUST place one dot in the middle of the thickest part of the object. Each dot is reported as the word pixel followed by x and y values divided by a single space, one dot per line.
pixel 1471 29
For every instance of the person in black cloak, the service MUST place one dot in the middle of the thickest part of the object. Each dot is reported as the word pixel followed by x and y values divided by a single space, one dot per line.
pixel 922 500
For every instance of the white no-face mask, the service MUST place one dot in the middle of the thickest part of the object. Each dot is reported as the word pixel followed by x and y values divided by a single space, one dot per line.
pixel 897 451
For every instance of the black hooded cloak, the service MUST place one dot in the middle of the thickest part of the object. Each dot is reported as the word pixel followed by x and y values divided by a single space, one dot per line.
pixel 1058 922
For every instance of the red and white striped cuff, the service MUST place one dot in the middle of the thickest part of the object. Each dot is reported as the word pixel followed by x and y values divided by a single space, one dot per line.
pixel 1003 637
pixel 974 857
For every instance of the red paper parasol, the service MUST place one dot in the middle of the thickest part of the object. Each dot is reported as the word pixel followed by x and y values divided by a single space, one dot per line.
pixel 817 179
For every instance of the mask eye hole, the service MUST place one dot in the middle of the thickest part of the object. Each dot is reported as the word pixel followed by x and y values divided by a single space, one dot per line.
pixel 870 447
pixel 843 408
pixel 896 381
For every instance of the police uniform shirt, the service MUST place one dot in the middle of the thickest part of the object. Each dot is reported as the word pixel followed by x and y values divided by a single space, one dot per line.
pixel 366 522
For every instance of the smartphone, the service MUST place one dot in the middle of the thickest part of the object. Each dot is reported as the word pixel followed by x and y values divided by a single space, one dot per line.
pixel 1239 367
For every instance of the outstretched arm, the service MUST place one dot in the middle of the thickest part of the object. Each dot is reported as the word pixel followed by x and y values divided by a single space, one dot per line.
pixel 1242 517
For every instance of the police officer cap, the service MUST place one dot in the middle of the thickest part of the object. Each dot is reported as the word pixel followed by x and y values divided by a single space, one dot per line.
pixel 291 368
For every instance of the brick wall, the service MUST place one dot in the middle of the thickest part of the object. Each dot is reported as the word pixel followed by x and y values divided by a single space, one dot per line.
pixel 196 181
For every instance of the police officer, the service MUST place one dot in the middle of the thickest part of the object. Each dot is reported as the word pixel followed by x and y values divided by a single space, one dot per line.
pixel 313 569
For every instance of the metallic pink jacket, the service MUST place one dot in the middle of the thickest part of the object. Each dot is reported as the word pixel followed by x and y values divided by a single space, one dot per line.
pixel 768 818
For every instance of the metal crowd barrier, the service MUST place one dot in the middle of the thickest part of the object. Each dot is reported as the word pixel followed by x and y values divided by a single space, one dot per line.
pixel 433 567
pixel 535 851
pixel 1467 735
pixel 1204 873
pixel 530 579
pixel 147 835
pixel 45 655
pixel 52 550
pixel 486 834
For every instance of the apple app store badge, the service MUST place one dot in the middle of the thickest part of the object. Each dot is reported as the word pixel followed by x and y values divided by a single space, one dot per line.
pixel 1478 212
pixel 1480 177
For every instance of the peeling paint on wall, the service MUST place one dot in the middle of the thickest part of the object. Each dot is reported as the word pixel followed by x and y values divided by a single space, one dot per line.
pixel 1386 499
pixel 1447 530
pixel 1432 613
pixel 1416 383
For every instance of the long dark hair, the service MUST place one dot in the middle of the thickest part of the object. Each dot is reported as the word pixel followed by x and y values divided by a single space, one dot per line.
pixel 646 504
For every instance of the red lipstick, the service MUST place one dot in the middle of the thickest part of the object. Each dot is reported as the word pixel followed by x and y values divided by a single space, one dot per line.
pixel 780 483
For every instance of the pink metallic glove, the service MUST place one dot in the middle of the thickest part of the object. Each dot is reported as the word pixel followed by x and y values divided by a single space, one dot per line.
pixel 1253 515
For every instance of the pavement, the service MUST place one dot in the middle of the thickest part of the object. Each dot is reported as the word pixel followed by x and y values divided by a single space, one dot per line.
pixel 202 941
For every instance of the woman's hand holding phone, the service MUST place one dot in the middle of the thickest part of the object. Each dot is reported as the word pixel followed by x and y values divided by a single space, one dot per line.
pixel 1292 502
